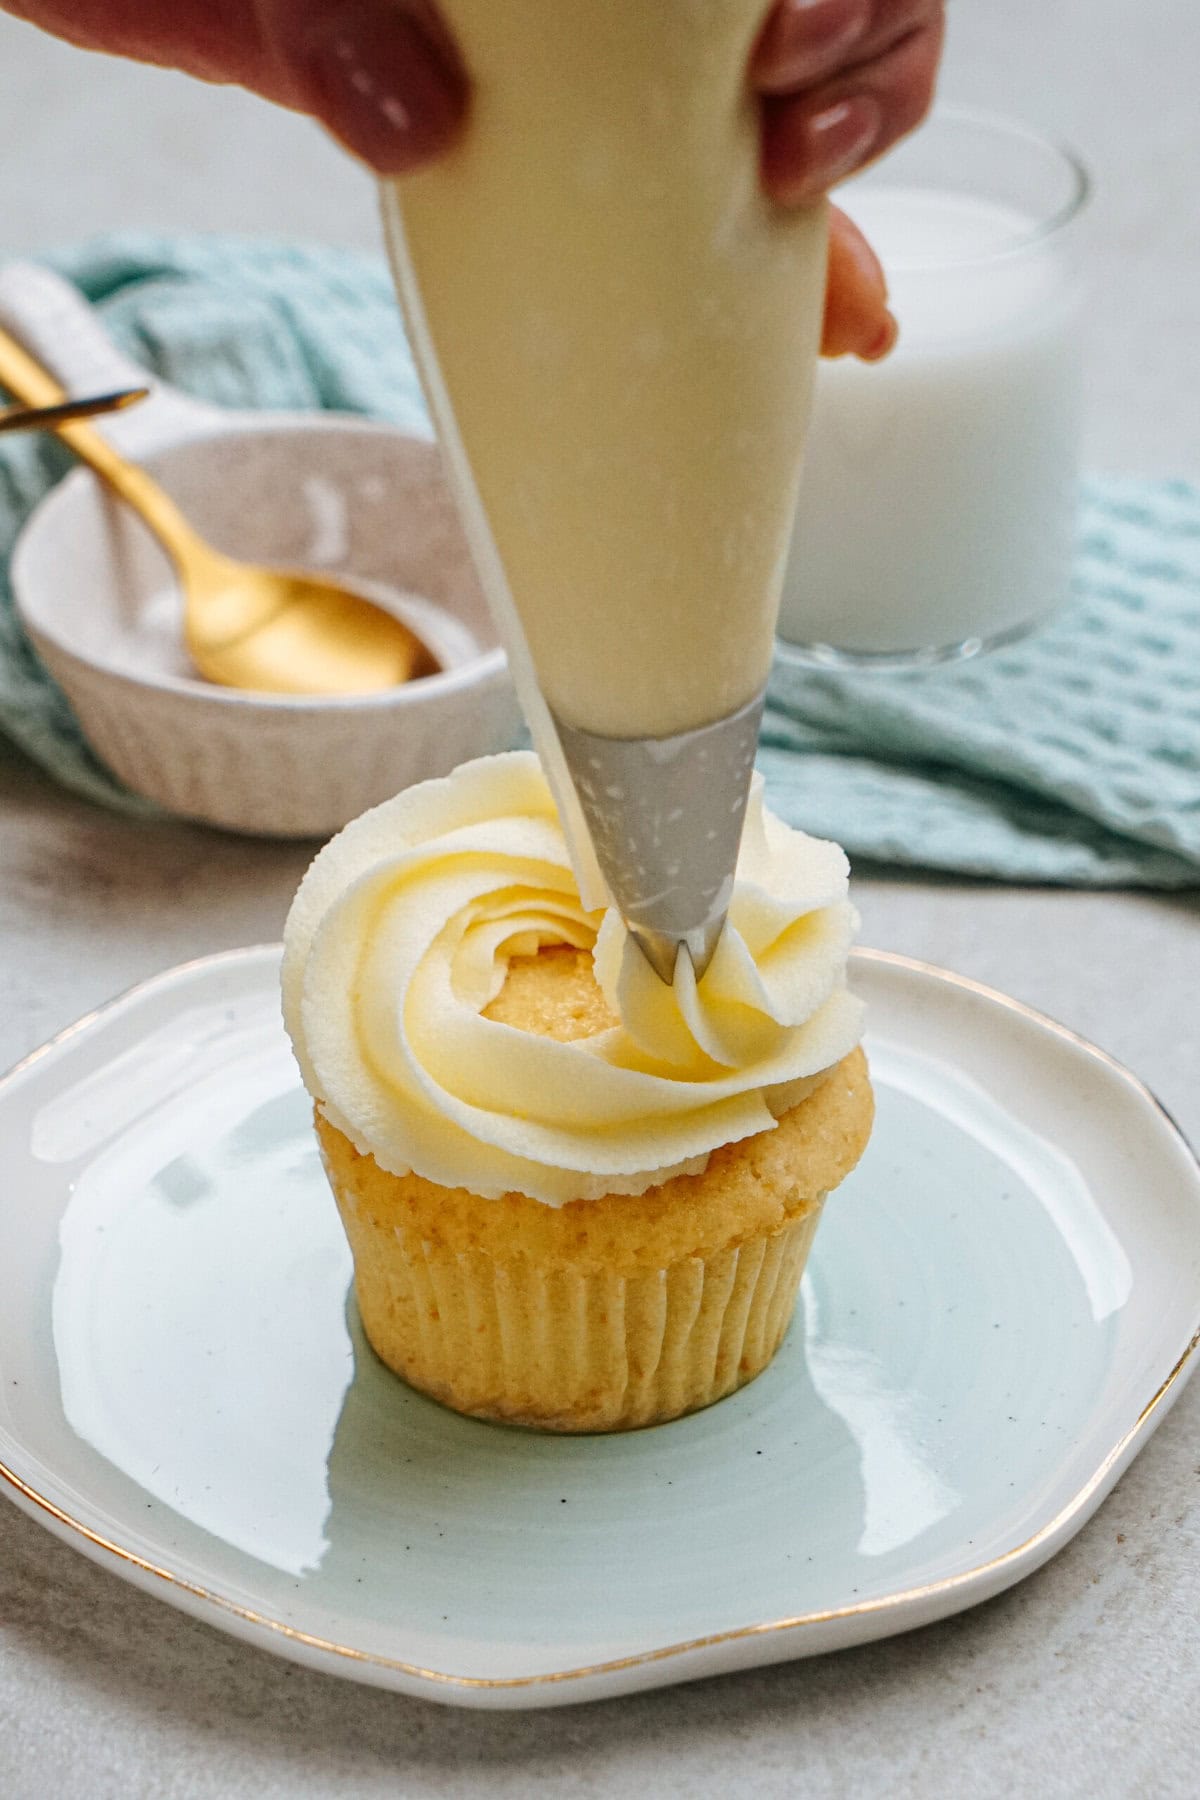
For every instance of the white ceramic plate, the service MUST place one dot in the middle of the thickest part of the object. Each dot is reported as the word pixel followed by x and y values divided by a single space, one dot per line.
pixel 1001 1305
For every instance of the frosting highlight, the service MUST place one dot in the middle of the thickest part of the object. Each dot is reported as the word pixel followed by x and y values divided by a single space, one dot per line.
pixel 400 937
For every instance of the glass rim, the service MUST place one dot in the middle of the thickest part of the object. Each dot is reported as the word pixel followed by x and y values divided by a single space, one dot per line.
pixel 1000 125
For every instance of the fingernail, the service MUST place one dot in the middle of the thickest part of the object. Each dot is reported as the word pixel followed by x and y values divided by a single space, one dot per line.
pixel 884 344
pixel 839 140
pixel 382 86
pixel 807 39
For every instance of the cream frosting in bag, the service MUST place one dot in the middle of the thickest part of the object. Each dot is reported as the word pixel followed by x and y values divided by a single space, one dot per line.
pixel 400 937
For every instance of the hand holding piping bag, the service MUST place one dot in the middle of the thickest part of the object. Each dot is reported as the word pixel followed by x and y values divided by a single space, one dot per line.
pixel 839 82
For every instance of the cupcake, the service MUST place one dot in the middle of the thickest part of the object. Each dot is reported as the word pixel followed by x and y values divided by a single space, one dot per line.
pixel 576 1198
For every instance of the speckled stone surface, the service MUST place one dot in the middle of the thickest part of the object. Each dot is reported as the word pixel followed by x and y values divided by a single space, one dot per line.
pixel 1085 1679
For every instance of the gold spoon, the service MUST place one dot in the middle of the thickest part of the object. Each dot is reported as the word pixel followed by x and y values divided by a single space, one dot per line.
pixel 278 631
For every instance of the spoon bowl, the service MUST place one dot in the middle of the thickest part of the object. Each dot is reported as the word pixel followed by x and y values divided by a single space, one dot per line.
pixel 283 631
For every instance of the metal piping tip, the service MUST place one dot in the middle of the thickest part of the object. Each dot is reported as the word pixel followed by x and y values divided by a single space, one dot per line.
pixel 665 817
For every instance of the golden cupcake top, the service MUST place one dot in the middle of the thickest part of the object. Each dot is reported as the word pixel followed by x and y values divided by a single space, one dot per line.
pixel 397 952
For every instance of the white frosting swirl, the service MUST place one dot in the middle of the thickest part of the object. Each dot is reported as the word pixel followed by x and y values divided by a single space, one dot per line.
pixel 400 936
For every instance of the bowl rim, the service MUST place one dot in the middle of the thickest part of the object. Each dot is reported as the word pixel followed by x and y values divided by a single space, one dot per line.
pixel 187 689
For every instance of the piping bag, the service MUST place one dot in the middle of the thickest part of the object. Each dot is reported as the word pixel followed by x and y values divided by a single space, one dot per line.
pixel 617 332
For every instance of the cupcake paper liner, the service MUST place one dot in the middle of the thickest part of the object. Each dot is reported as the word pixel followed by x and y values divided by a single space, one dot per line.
pixel 569 1349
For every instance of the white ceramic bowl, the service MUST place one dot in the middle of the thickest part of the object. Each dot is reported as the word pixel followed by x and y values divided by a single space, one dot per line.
pixel 97 597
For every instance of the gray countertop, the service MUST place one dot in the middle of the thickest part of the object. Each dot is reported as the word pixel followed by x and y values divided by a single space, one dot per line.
pixel 1083 1679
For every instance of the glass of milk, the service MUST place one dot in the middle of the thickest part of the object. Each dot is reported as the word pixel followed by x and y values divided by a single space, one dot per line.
pixel 937 505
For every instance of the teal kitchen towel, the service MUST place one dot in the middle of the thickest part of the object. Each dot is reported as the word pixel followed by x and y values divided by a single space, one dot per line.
pixel 1073 757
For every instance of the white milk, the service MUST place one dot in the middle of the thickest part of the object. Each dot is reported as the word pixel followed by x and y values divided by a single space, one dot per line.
pixel 937 499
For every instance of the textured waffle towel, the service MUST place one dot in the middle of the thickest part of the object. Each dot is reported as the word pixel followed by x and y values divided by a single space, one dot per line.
pixel 1073 757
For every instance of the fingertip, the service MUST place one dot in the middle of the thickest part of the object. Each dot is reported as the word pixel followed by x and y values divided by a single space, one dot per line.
pixel 378 81
pixel 804 40
pixel 883 343
pixel 858 321
pixel 816 137
pixel 807 148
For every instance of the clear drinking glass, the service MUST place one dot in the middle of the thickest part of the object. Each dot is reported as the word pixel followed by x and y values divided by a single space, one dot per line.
pixel 937 506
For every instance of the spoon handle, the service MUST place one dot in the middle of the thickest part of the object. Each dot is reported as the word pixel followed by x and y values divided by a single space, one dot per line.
pixel 29 382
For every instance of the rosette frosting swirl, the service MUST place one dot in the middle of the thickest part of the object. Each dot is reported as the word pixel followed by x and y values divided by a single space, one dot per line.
pixel 400 937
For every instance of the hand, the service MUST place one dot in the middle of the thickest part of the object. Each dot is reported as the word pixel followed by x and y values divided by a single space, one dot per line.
pixel 840 81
